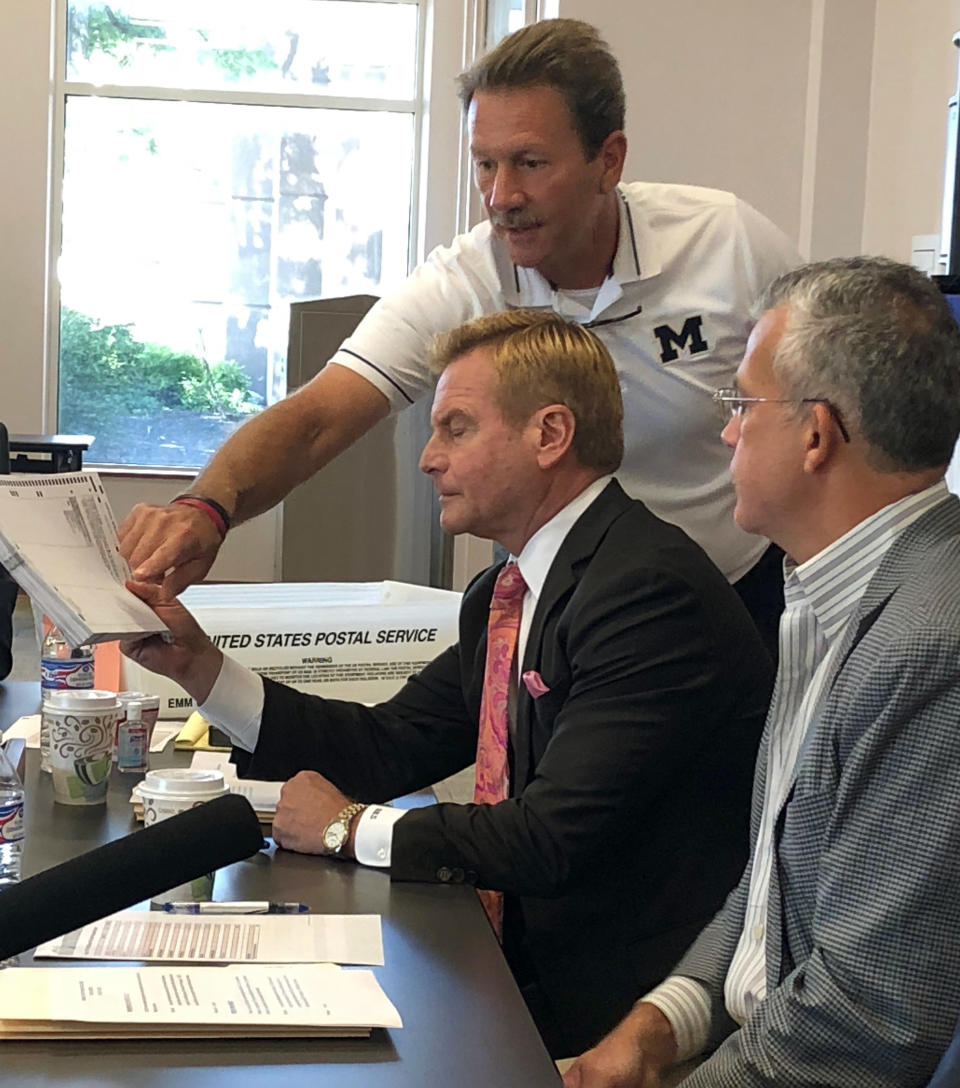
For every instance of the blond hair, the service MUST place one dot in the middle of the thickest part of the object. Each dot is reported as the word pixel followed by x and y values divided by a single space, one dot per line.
pixel 541 359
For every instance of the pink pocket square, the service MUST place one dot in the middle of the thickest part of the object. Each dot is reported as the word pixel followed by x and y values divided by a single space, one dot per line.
pixel 534 683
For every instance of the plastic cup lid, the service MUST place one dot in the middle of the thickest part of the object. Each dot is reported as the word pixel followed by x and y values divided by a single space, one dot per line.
pixel 178 781
pixel 148 701
pixel 82 699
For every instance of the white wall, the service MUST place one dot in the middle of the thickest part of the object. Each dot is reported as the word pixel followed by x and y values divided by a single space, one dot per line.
pixel 768 99
pixel 838 122
pixel 715 93
pixel 914 73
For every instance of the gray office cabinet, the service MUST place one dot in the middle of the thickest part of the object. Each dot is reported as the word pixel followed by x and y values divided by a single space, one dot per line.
pixel 370 514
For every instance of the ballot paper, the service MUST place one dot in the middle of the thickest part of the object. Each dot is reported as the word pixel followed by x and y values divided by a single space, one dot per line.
pixel 249 1001
pixel 155 936
pixel 58 540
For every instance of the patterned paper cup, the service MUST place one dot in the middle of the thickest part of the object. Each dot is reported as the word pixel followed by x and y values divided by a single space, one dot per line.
pixel 81 728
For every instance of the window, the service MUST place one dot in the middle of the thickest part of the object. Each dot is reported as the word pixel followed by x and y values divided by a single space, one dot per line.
pixel 221 158
pixel 504 17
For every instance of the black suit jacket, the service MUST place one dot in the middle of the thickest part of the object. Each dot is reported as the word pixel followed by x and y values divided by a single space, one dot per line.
pixel 630 784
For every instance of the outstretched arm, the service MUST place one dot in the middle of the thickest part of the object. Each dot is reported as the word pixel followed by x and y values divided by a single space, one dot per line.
pixel 254 469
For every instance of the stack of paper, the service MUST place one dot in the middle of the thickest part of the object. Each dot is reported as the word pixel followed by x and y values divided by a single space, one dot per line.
pixel 247 1001
pixel 58 539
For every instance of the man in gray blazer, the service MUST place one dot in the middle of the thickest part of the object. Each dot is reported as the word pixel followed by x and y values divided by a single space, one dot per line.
pixel 836 960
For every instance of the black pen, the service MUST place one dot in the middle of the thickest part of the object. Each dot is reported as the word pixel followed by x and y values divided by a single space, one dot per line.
pixel 250 906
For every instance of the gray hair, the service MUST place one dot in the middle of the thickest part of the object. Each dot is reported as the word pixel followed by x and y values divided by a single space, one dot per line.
pixel 878 341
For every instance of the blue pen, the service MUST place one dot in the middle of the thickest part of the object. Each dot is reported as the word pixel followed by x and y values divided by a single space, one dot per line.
pixel 251 906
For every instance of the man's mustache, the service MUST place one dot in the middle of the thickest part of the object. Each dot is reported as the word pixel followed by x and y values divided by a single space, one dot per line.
pixel 513 220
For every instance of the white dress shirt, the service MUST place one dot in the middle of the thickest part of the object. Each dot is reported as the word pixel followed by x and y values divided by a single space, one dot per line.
pixel 235 703
pixel 821 596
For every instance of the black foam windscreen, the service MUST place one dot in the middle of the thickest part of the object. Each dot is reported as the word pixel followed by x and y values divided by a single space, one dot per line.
pixel 121 873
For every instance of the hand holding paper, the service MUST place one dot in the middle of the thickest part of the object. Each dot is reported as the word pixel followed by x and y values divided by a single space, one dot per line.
pixel 58 540
pixel 186 655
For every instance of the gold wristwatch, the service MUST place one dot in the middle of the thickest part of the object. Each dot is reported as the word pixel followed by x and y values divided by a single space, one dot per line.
pixel 336 833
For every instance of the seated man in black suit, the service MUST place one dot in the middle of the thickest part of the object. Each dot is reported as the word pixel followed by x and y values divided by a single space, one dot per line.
pixel 614 761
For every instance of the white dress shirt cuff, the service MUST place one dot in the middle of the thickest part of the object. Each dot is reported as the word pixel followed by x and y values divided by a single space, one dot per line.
pixel 373 842
pixel 235 704
pixel 686 1004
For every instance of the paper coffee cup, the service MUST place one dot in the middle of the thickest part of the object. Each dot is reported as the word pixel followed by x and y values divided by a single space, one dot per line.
pixel 80 727
pixel 175 789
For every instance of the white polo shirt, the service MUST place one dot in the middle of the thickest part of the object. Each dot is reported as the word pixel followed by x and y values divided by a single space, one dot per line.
pixel 674 315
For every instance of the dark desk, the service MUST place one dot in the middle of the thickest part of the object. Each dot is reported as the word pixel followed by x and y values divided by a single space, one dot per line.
pixel 464 1021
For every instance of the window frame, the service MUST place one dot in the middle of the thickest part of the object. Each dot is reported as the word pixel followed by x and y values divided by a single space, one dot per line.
pixel 419 108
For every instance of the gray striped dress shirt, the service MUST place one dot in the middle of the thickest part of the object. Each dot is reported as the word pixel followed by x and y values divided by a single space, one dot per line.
pixel 820 595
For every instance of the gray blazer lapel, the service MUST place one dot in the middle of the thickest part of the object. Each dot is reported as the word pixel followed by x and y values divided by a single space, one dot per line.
pixel 906 552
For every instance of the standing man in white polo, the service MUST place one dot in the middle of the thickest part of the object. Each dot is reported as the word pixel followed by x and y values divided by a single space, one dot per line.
pixel 664 274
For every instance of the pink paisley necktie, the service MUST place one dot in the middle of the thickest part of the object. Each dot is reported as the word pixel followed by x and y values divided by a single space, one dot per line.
pixel 493 772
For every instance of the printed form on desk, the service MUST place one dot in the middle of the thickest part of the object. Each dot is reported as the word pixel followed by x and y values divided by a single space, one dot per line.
pixel 154 936
pixel 252 1000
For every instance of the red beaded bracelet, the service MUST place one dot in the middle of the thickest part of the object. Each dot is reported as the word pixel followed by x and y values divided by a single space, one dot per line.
pixel 214 511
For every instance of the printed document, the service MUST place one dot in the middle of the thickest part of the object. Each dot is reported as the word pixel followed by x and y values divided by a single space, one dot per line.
pixel 155 936
pixel 250 1000
pixel 58 540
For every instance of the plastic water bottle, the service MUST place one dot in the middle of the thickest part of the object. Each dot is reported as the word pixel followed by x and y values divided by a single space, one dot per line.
pixel 61 669
pixel 11 822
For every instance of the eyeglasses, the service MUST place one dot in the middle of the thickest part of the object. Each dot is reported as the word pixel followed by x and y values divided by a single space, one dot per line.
pixel 732 404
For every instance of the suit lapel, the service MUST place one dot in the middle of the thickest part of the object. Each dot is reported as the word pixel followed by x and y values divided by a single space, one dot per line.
pixel 907 551
pixel 575 553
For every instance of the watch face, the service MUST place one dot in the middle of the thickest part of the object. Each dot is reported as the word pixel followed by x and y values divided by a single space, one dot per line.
pixel 335 835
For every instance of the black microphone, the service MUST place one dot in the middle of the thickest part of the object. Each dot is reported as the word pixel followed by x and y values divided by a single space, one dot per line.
pixel 121 873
